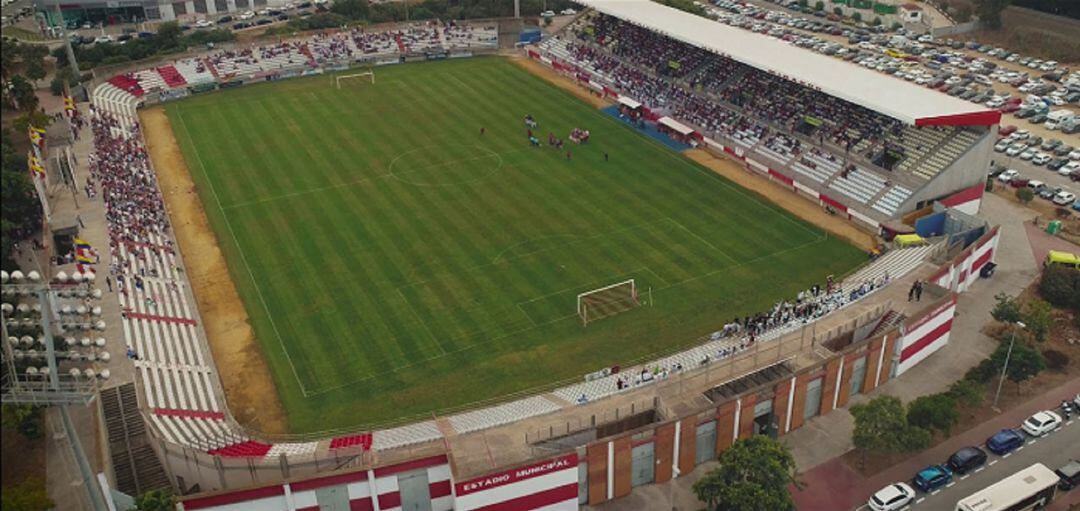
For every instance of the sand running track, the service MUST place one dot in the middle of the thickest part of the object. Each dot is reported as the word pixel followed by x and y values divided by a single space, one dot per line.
pixel 249 386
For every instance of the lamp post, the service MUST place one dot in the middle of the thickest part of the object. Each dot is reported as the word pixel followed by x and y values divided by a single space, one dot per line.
pixel 1005 367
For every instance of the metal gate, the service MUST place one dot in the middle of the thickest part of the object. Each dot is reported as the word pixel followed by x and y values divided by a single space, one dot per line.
pixel 813 399
pixel 642 466
pixel 415 492
pixel 333 498
pixel 705 445
pixel 858 375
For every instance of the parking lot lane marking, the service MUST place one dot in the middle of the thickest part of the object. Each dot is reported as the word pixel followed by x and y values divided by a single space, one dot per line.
pixel 1009 454
pixel 965 476
pixel 935 492
pixel 991 463
pixel 950 485
pixel 919 500
pixel 1021 448
pixel 980 469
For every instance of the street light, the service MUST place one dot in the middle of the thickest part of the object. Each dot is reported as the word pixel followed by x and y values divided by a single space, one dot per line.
pixel 1005 368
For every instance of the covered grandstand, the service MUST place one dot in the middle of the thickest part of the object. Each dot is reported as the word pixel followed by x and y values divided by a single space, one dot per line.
pixel 860 142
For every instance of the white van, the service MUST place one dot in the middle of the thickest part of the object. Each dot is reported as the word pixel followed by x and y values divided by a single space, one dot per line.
pixel 1055 119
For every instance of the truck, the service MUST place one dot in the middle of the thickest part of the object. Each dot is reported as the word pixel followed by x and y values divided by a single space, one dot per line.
pixel 1055 119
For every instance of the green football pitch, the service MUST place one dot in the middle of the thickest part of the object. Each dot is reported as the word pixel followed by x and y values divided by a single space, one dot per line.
pixel 396 261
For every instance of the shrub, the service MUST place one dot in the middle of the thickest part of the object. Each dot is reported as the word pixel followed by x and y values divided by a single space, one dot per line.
pixel 876 22
pixel 983 372
pixel 1024 194
pixel 819 6
pixel 1056 360
pixel 838 11
pixel 1060 286
pixel 936 411
pixel 857 16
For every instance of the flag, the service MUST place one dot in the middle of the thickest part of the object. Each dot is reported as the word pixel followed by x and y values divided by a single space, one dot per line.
pixel 36 137
pixel 83 251
pixel 69 105
pixel 37 170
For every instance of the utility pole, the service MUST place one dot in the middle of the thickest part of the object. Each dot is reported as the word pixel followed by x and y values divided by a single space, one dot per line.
pixel 1005 368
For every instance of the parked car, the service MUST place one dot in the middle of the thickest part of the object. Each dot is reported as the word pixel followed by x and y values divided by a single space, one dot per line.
pixel 1008 175
pixel 1041 423
pixel 892 497
pixel 965 460
pixel 1069 474
pixel 1048 192
pixel 1005 441
pixel 1056 164
pixel 932 478
pixel 1041 159
pixel 1007 130
pixel 1002 145
pixel 1063 198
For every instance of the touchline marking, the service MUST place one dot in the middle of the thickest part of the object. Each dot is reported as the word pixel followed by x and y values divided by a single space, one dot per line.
pixel 243 257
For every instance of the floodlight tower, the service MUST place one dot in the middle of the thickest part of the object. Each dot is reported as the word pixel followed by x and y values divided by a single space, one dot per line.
pixel 33 312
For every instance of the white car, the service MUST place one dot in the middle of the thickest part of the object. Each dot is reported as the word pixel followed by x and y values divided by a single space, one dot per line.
pixel 1008 175
pixel 1074 154
pixel 1041 423
pixel 1015 149
pixel 103 39
pixel 246 15
pixel 1063 198
pixel 568 12
pixel 1041 159
pixel 1002 145
pixel 1069 168
pixel 892 497
pixel 204 24
pixel 1021 134
pixel 1027 154
pixel 547 14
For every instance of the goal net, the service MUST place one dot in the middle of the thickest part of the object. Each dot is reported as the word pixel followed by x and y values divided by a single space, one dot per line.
pixel 366 77
pixel 607 301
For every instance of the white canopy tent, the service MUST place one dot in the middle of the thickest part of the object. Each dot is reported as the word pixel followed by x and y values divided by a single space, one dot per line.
pixel 676 126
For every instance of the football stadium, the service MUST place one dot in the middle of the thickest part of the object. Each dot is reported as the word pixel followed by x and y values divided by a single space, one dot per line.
pixel 438 266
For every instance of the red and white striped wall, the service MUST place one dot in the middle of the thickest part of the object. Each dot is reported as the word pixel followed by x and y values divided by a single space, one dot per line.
pixel 963 271
pixel 550 485
pixel 301 495
pixel 926 335
pixel 966 200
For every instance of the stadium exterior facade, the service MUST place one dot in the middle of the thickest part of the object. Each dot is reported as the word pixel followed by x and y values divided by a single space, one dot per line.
pixel 601 450
pixel 123 11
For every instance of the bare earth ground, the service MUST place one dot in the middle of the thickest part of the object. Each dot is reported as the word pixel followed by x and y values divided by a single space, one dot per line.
pixel 559 81
pixel 1031 33
pixel 790 201
pixel 249 387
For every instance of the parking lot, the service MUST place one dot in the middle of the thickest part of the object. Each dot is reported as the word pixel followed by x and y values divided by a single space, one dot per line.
pixel 1026 90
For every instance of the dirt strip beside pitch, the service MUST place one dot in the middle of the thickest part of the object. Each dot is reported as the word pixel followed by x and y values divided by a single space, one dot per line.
pixel 794 203
pixel 249 387
pixel 560 81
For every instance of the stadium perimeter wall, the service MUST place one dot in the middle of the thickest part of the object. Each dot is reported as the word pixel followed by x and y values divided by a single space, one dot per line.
pixel 610 466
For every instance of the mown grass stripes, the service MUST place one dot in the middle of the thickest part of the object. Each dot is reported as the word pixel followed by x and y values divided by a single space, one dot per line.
pixel 411 264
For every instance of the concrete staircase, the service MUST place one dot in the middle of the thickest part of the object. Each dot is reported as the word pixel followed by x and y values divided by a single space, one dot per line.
pixel 135 464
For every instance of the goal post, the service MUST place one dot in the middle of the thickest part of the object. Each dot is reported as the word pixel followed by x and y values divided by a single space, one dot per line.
pixel 363 76
pixel 607 301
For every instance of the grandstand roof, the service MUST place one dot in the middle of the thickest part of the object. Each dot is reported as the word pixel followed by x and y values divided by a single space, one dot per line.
pixel 907 102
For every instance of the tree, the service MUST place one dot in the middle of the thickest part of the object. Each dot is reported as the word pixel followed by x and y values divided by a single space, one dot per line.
pixel 351 9
pixel 1024 194
pixel 819 6
pixel 22 94
pixel 754 474
pixel 1060 285
pixel 881 426
pixel 838 11
pixel 155 500
pixel 936 411
pixel 168 35
pixel 1024 364
pixel 967 393
pixel 26 419
pixel 857 16
pixel 29 495
pixel 1006 310
pixel 1038 318
pixel 19 206
pixel 989 11
pixel 876 22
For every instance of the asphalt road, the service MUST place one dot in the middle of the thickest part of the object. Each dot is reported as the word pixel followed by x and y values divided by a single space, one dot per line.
pixel 1052 450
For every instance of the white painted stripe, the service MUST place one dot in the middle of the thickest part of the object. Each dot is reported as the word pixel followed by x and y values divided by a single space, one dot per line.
pixel 610 470
pixel 839 380
pixel 991 463
pixel 919 500
pixel 675 450
pixel 525 487
pixel 790 406
pixel 1007 455
pixel 738 411
pixel 980 469
pixel 880 360
pixel 951 484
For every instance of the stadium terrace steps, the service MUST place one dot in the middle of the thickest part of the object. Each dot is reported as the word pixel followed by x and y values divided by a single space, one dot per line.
pixel 890 201
pixel 895 263
pixel 135 465
pixel 127 83
pixel 292 449
pixel 858 184
pixel 502 414
pixel 409 434
pixel 173 78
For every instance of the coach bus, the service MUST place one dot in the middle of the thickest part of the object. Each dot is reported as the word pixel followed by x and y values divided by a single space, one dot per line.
pixel 1031 488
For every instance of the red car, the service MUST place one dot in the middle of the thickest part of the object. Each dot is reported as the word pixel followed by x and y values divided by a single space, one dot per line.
pixel 1006 130
pixel 1009 108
